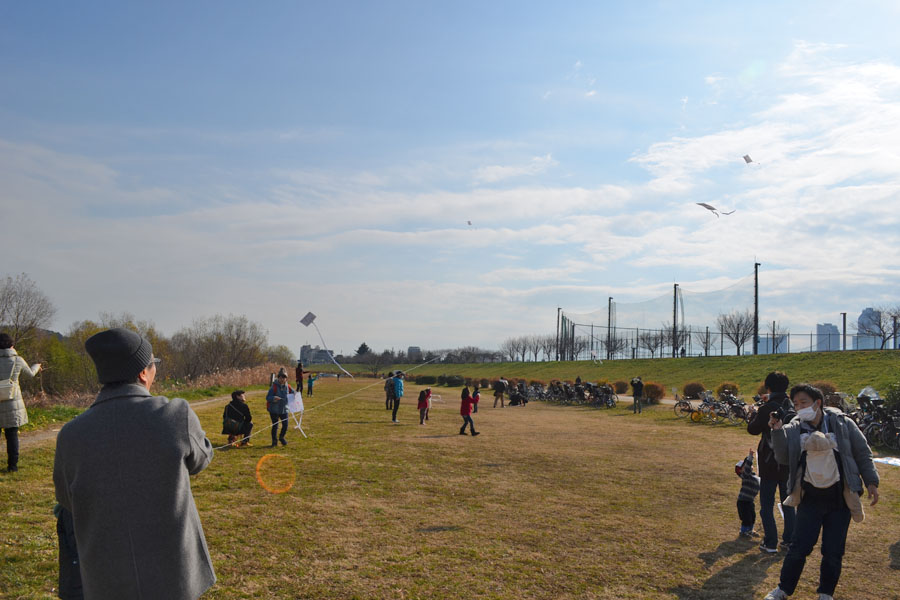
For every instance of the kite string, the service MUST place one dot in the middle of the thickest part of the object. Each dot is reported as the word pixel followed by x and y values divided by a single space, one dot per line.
pixel 330 354
pixel 347 395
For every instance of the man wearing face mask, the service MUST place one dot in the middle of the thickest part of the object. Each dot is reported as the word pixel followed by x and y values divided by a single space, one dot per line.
pixel 829 462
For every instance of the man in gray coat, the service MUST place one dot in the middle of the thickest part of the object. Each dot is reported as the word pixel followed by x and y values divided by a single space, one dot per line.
pixel 122 469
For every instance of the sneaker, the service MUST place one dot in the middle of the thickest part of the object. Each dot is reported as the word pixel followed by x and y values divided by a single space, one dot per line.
pixel 283 441
pixel 768 550
pixel 12 469
pixel 246 445
pixel 784 546
pixel 394 421
pixel 825 597
pixel 745 534
pixel 776 594
pixel 463 433
pixel 474 433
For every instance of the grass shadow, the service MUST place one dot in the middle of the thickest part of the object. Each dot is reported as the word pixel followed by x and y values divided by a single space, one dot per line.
pixel 895 556
pixel 724 550
pixel 439 528
pixel 737 581
pixel 434 437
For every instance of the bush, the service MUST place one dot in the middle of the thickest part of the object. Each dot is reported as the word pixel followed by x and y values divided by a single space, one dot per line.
pixel 728 386
pixel 826 387
pixel 470 382
pixel 621 387
pixel 455 381
pixel 693 389
pixel 536 382
pixel 441 379
pixel 892 396
pixel 484 382
pixel 653 392
pixel 425 380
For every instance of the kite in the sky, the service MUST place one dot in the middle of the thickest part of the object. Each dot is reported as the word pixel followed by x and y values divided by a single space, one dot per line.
pixel 469 222
pixel 713 209
pixel 747 159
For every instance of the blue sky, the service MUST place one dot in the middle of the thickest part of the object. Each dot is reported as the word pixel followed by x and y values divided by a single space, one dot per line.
pixel 177 161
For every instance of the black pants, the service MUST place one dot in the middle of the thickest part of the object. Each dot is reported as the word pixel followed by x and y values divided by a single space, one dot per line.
pixel 396 402
pixel 388 400
pixel 747 513
pixel 246 428
pixel 69 571
pixel 284 423
pixel 12 446
pixel 467 420
pixel 825 511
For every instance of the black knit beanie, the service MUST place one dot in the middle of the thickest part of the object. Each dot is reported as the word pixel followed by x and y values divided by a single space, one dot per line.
pixel 119 354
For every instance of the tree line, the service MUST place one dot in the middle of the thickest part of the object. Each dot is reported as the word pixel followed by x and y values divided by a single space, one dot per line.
pixel 208 345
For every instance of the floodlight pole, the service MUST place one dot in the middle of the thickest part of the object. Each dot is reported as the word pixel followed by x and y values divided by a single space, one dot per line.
pixel 674 318
pixel 755 308
pixel 558 309
pixel 608 328
pixel 844 317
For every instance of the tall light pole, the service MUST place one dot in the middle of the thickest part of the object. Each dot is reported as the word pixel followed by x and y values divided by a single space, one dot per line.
pixel 844 317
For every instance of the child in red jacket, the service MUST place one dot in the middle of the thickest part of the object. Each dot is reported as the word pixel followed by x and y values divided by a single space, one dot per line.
pixel 465 409
pixel 423 406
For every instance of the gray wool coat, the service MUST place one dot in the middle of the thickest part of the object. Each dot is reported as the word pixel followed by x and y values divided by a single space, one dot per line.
pixel 12 412
pixel 122 468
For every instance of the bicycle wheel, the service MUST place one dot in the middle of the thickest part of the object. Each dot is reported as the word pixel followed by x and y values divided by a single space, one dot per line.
pixel 683 409
pixel 696 416
pixel 735 415
pixel 873 434
pixel 890 437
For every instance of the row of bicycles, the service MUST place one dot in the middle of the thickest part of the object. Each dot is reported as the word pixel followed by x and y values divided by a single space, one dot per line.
pixel 726 408
pixel 880 425
pixel 586 394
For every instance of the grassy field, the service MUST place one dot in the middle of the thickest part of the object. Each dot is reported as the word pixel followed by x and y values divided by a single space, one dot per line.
pixel 549 502
pixel 849 371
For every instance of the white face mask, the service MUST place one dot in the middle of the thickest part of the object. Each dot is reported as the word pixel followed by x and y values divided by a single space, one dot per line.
pixel 807 414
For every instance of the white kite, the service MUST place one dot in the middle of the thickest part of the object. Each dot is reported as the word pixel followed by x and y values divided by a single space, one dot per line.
pixel 295 407
pixel 713 209
pixel 310 319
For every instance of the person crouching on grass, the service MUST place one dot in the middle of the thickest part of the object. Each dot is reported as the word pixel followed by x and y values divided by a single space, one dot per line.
pixel 465 409
pixel 746 503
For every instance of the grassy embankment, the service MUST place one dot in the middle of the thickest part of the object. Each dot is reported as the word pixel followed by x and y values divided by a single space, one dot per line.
pixel 849 371
pixel 549 502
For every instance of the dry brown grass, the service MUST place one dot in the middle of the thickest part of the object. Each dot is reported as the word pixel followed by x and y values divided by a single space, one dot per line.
pixel 549 502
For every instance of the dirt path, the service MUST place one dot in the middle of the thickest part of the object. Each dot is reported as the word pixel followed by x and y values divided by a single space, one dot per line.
pixel 38 437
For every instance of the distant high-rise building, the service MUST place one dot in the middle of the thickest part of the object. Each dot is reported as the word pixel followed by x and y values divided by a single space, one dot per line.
pixel 868 327
pixel 311 356
pixel 827 337
pixel 414 353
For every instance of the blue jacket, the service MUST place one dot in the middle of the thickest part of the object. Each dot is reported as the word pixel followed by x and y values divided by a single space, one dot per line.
pixel 278 407
pixel 398 387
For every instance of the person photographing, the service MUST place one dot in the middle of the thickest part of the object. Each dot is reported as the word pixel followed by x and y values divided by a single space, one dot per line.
pixel 829 465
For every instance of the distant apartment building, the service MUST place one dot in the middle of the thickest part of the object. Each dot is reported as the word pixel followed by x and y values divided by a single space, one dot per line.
pixel 828 337
pixel 768 345
pixel 414 353
pixel 868 325
pixel 312 356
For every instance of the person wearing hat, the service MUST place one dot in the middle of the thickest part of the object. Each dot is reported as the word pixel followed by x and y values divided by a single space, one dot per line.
pixel 12 407
pixel 389 391
pixel 122 469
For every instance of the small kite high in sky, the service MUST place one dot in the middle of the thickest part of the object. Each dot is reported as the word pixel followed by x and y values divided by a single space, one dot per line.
pixel 469 222
pixel 747 159
pixel 713 209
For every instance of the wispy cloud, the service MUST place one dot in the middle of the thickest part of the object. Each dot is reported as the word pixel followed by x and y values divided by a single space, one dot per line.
pixel 495 173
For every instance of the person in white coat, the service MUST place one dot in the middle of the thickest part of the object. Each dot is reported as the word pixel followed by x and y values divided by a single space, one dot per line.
pixel 12 407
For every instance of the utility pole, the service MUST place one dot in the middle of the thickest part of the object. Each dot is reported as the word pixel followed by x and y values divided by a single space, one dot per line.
pixel 674 320
pixel 609 329
pixel 844 316
pixel 755 308
pixel 558 309
pixel 895 332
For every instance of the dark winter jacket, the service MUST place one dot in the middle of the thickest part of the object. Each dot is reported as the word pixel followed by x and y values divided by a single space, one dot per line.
pixel 769 468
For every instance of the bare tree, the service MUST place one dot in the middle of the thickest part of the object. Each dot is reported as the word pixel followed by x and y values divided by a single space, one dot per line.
pixel 509 349
pixel 676 339
pixel 881 326
pixel 651 341
pixel 23 308
pixel 548 345
pixel 218 343
pixel 706 340
pixel 533 344
pixel 736 326
pixel 580 344
pixel 615 344
pixel 779 337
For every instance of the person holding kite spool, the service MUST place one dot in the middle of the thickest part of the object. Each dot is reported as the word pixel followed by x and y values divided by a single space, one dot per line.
pixel 276 402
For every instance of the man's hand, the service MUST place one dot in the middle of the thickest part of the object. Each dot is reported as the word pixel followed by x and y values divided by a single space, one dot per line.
pixel 774 422
pixel 873 494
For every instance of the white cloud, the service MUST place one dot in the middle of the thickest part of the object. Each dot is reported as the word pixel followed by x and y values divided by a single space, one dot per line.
pixel 495 173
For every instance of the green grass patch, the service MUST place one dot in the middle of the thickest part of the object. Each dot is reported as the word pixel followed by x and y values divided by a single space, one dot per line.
pixel 549 502
pixel 39 417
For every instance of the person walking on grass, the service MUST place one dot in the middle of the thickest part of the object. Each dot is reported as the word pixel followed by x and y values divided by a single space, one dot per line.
pixel 465 410
pixel 830 463
pixel 746 503
pixel 389 391
pixel 500 387
pixel 427 402
pixel 637 387
pixel 772 475
pixel 310 379
pixel 476 396
pixel 398 393
pixel 276 403
pixel 122 470
pixel 298 374
pixel 12 407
